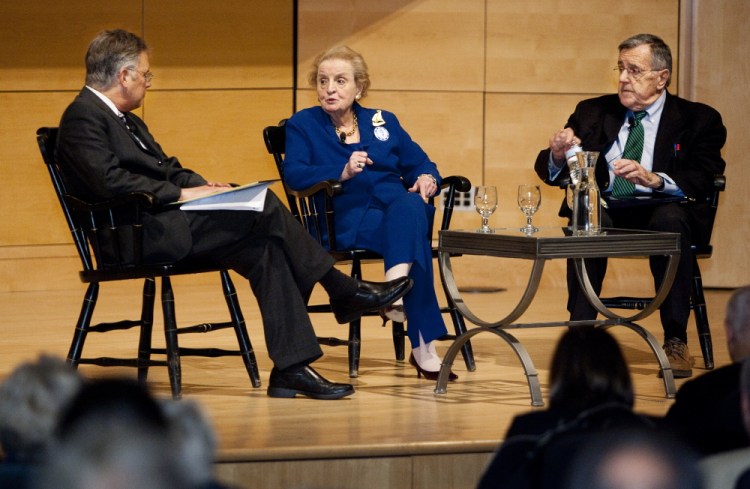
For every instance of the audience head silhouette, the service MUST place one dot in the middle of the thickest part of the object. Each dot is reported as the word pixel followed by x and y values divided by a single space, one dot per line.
pixel 745 394
pixel 737 324
pixel 634 459
pixel 110 402
pixel 193 439
pixel 113 435
pixel 587 370
pixel 32 398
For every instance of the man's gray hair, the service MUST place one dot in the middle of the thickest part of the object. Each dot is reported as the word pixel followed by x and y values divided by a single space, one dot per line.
pixel 108 53
pixel 661 55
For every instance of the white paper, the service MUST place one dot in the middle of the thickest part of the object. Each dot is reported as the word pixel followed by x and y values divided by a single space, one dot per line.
pixel 250 197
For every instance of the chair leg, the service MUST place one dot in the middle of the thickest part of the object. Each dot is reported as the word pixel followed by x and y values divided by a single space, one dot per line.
pixel 84 321
pixel 460 327
pixel 355 329
pixel 354 346
pixel 701 316
pixel 399 339
pixel 240 329
pixel 170 334
pixel 147 326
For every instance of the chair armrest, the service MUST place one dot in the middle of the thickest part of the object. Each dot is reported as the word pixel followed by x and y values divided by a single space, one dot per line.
pixel 461 184
pixel 333 187
pixel 134 200
pixel 330 187
pixel 720 183
pixel 112 228
pixel 455 183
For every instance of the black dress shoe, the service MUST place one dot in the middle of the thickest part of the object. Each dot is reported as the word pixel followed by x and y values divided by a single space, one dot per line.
pixel 370 296
pixel 307 382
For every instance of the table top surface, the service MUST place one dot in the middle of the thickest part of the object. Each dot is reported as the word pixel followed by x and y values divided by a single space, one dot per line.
pixel 557 242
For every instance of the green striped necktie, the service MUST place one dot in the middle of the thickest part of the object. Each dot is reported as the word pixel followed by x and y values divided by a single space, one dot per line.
pixel 633 151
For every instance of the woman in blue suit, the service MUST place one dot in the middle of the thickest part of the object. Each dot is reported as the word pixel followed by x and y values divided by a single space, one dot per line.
pixel 386 181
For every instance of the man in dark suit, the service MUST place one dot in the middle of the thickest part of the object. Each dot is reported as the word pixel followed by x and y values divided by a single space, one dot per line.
pixel 707 410
pixel 105 151
pixel 679 154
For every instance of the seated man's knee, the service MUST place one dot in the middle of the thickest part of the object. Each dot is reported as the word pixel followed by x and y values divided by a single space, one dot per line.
pixel 607 220
pixel 670 218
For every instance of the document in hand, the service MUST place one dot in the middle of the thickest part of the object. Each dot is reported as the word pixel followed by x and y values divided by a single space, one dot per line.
pixel 250 197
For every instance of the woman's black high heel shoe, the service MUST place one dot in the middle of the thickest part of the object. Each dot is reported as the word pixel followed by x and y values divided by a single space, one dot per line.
pixel 399 309
pixel 426 373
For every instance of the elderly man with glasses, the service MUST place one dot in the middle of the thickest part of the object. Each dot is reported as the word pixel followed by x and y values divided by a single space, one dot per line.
pixel 676 151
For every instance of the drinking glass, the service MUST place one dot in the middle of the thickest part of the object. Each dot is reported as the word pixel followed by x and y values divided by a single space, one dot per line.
pixel 529 200
pixel 485 202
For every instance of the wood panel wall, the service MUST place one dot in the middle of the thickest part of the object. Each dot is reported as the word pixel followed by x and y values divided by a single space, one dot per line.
pixel 223 72
pixel 479 84
pixel 718 73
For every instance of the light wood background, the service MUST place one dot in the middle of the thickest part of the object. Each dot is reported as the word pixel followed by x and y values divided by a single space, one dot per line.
pixel 479 84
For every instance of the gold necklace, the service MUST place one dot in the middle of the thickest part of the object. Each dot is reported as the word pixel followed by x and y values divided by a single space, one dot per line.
pixel 350 133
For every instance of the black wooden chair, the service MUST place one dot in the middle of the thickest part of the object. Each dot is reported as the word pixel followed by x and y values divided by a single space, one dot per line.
pixel 304 205
pixel 697 299
pixel 107 236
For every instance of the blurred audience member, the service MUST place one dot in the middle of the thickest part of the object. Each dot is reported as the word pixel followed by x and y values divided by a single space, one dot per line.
pixel 590 391
pixel 194 439
pixel 634 459
pixel 587 370
pixel 114 435
pixel 706 412
pixel 31 400
pixel 731 469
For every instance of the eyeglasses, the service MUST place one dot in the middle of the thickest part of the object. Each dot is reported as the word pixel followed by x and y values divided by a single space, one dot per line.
pixel 147 75
pixel 634 73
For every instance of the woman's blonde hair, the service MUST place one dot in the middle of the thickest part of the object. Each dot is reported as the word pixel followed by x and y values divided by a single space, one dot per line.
pixel 345 53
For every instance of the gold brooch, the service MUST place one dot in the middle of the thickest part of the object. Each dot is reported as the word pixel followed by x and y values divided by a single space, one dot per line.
pixel 377 119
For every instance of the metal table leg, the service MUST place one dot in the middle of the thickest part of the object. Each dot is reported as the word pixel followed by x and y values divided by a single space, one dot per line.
pixel 532 377
pixel 494 327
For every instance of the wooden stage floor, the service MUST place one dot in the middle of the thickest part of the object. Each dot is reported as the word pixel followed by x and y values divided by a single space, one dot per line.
pixel 394 432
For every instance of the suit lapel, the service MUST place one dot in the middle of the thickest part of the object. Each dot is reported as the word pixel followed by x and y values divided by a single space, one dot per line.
pixel 612 125
pixel 667 135
pixel 90 96
pixel 139 135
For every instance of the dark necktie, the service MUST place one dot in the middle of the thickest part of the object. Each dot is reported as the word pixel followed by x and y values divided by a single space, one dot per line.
pixel 633 151
pixel 124 120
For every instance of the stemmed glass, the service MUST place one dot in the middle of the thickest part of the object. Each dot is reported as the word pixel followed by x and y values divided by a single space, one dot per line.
pixel 529 200
pixel 485 202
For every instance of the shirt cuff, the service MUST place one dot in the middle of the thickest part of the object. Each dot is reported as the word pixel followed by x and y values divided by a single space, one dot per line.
pixel 670 188
pixel 553 169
